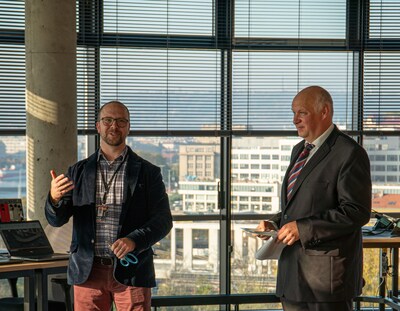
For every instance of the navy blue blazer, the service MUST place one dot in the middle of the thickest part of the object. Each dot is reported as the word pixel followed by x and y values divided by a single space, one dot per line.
pixel 145 218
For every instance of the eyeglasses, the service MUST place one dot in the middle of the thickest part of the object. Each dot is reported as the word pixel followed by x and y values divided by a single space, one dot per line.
pixel 107 121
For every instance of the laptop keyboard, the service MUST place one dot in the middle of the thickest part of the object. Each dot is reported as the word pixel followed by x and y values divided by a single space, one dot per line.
pixel 8 260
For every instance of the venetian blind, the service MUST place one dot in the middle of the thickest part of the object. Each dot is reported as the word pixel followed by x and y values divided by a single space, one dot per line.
pixel 382 67
pixel 12 67
pixel 88 28
pixel 282 47
pixel 160 58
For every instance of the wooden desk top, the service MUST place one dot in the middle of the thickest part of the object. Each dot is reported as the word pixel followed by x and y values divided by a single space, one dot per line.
pixel 30 265
pixel 381 240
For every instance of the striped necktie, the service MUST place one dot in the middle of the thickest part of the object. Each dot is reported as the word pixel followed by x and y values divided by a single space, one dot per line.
pixel 295 171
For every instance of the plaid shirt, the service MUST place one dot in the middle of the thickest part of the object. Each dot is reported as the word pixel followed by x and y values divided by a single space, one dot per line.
pixel 107 226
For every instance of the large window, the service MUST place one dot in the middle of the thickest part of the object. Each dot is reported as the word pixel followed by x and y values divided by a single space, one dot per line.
pixel 209 85
pixel 291 19
pixel 265 82
pixel 165 89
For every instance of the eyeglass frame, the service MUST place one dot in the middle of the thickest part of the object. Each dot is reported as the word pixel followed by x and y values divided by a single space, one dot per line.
pixel 116 121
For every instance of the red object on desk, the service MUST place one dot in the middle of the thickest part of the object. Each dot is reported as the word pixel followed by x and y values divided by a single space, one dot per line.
pixel 4 213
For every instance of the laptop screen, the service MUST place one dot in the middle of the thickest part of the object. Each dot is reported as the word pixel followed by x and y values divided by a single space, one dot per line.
pixel 25 238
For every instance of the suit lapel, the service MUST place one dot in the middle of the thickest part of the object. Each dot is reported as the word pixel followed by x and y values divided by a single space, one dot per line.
pixel 131 179
pixel 321 153
pixel 89 182
pixel 296 152
pixel 307 169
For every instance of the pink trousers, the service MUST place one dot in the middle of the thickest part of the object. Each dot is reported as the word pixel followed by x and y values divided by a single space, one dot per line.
pixel 101 289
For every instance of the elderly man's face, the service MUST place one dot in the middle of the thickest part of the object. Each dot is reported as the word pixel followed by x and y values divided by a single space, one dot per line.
pixel 309 121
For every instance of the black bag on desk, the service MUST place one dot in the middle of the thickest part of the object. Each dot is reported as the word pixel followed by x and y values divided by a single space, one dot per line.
pixel 387 223
pixel 383 222
pixel 396 229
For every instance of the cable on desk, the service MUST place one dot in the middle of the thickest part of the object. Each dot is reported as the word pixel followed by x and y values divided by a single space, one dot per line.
pixel 389 263
pixel 367 231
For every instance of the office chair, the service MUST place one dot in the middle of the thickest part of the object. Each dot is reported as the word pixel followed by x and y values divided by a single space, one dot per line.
pixel 12 303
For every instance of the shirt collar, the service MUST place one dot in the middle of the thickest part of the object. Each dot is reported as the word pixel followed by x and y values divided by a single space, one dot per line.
pixel 321 139
pixel 121 157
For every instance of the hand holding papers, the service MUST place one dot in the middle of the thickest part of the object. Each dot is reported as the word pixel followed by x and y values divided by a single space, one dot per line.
pixel 258 232
pixel 272 247
pixel 265 229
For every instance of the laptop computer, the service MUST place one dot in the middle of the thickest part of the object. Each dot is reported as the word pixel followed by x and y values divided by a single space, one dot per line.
pixel 5 258
pixel 27 240
pixel 9 261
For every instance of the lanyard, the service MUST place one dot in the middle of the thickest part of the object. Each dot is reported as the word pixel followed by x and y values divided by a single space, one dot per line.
pixel 107 185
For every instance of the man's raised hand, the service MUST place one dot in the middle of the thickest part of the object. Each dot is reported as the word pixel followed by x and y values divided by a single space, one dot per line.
pixel 60 185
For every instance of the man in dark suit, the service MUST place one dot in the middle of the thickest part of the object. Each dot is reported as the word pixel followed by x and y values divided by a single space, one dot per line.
pixel 120 208
pixel 325 200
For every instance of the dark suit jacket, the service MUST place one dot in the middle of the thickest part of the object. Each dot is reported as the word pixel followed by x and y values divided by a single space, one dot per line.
pixel 145 218
pixel 331 201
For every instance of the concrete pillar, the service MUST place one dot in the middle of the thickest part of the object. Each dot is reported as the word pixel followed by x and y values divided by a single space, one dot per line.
pixel 213 248
pixel 238 244
pixel 188 249
pixel 173 249
pixel 252 244
pixel 51 131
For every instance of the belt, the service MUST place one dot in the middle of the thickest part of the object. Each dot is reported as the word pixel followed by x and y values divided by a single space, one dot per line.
pixel 105 261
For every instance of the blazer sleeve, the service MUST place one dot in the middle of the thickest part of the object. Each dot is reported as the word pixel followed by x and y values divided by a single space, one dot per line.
pixel 276 218
pixel 350 210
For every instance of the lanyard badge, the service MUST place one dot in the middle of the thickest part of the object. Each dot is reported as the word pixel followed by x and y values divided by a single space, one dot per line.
pixel 101 212
pixel 103 208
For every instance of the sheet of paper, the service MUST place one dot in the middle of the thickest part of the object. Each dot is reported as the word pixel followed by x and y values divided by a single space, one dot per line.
pixel 255 231
pixel 271 249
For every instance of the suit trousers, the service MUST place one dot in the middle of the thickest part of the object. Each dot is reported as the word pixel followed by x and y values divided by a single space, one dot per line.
pixel 317 306
pixel 101 290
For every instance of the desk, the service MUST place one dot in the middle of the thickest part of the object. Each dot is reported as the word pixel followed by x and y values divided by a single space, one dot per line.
pixel 382 241
pixel 35 274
